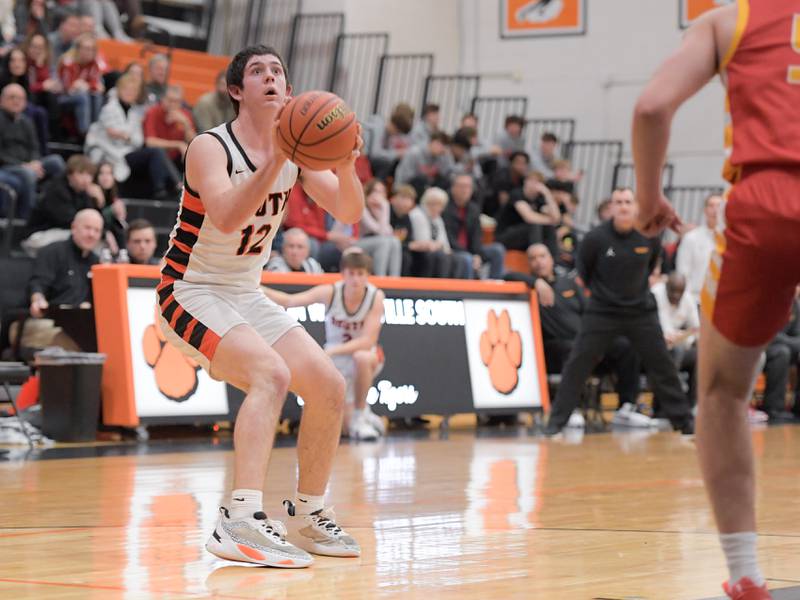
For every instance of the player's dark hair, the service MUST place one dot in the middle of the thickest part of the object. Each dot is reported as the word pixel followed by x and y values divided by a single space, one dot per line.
pixel 356 260
pixel 235 73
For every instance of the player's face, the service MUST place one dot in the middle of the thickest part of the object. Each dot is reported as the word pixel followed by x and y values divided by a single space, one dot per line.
pixel 355 279
pixel 264 83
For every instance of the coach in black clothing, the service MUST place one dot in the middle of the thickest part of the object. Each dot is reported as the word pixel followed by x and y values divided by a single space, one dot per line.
pixel 562 302
pixel 615 262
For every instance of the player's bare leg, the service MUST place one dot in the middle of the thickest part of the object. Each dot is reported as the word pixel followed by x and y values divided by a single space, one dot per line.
pixel 726 373
pixel 322 387
pixel 244 532
pixel 366 362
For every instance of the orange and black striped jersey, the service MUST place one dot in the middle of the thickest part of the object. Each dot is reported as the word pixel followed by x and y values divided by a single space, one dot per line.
pixel 200 253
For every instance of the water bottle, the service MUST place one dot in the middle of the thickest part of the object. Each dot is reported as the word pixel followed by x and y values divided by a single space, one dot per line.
pixel 105 256
pixel 122 257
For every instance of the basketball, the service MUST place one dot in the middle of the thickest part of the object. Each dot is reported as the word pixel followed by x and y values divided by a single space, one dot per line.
pixel 317 130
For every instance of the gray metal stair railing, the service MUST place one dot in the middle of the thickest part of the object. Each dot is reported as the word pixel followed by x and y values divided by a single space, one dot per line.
pixel 492 112
pixel 356 67
pixel 401 78
pixel 453 94
pixel 312 50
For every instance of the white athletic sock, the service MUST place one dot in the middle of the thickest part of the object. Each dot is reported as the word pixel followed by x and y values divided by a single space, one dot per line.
pixel 305 504
pixel 740 552
pixel 245 502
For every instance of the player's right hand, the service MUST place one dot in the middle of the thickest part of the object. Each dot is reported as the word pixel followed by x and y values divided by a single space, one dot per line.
pixel 655 217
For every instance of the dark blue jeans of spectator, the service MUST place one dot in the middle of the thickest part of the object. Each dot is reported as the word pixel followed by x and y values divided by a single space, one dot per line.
pixel 24 181
pixel 495 255
pixel 155 164
pixel 85 106
pixel 41 121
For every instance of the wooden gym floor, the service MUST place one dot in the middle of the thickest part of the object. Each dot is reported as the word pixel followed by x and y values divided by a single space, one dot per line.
pixel 615 516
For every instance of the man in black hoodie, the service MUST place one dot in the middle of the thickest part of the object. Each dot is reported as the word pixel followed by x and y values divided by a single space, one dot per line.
pixel 615 262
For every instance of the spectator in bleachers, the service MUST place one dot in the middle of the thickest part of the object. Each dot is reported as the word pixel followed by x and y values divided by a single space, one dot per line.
pixel 305 214
pixel 32 16
pixel 462 220
pixel 82 81
pixel 566 232
pixel 377 235
pixel 136 73
pixel 426 166
pixel 431 254
pixel 61 199
pixel 169 126
pixel 117 137
pixel 21 164
pixel 155 82
pixel 214 108
pixel 511 140
pixel 141 242
pixel 61 276
pixel 696 247
pixel 44 82
pixel 460 149
pixel 563 179
pixel 106 17
pixel 134 23
pixel 15 70
pixel 529 217
pixel 504 181
pixel 481 150
pixel 781 354
pixel 61 39
pixel 295 256
pixel 388 141
pixel 562 302
pixel 604 210
pixel 544 157
pixel 115 213
pixel 8 24
pixel 427 125
pixel 680 322
pixel 402 203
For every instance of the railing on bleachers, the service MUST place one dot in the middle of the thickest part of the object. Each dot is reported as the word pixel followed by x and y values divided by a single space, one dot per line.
pixel 401 78
pixel 453 94
pixel 689 200
pixel 625 176
pixel 564 130
pixel 312 51
pixel 257 22
pixel 493 110
pixel 356 66
pixel 596 159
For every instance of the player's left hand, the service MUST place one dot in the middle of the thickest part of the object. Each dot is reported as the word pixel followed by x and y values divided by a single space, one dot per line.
pixel 350 161
pixel 655 217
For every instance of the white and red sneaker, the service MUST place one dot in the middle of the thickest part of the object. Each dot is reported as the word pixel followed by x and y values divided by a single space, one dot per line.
pixel 745 589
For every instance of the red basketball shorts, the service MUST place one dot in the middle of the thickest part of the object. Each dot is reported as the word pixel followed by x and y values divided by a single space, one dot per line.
pixel 755 268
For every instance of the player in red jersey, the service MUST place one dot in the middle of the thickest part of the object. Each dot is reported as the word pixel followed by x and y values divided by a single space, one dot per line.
pixel 755 47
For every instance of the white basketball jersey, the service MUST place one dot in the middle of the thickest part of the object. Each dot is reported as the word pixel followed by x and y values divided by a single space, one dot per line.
pixel 200 253
pixel 342 326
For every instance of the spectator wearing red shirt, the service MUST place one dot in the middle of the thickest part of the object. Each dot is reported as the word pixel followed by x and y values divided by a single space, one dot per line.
pixel 82 80
pixel 169 126
pixel 44 83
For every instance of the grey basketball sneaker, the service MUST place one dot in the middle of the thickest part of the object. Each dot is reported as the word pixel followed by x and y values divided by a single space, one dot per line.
pixel 256 539
pixel 318 533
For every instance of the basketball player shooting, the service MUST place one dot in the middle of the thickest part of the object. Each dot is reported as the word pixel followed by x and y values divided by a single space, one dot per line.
pixel 353 311
pixel 751 279
pixel 212 308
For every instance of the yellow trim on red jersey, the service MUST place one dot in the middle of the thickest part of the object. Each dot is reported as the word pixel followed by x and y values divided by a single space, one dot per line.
pixel 742 16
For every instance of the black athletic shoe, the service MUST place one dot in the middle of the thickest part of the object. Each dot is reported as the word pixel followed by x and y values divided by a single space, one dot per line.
pixel 686 427
pixel 551 429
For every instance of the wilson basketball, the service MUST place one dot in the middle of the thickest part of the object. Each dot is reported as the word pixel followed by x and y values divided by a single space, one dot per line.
pixel 317 130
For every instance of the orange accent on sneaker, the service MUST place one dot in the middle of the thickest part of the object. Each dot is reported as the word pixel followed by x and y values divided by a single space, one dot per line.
pixel 287 562
pixel 250 552
pixel 745 589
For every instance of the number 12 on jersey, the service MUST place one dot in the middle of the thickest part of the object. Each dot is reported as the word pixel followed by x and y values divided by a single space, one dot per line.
pixel 257 247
